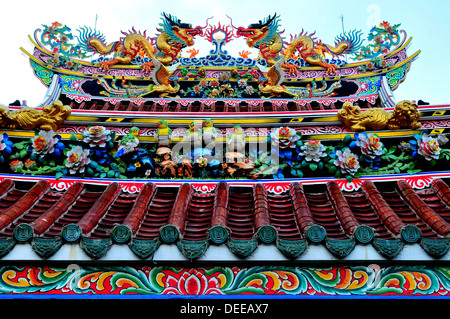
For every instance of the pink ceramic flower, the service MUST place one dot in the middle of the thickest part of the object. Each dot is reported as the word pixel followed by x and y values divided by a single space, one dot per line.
pixel 370 145
pixel 284 137
pixel 429 148
pixel 77 159
pixel 97 136
pixel 44 142
pixel 313 151
pixel 347 162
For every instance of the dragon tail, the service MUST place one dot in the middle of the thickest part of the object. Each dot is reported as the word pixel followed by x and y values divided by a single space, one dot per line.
pixel 346 43
pixel 94 41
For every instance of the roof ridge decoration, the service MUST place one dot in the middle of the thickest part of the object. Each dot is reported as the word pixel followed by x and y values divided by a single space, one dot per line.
pixel 174 35
pixel 405 115
pixel 142 67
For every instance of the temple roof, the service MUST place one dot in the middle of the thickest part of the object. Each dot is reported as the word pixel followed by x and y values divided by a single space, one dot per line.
pixel 144 213
pixel 388 220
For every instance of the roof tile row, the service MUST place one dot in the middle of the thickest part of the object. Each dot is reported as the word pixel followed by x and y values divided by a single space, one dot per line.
pixel 388 217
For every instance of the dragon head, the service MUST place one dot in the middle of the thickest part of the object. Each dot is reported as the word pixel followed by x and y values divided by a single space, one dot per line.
pixel 178 31
pixel 258 33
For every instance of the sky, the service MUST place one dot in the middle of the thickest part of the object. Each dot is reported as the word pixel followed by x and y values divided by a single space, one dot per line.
pixel 425 21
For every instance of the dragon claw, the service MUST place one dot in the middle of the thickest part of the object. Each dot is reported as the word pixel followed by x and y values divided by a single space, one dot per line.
pixel 292 68
pixel 104 65
pixel 147 65
pixel 331 69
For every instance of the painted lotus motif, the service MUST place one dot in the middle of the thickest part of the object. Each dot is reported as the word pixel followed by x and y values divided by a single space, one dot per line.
pixel 192 282
pixel 332 281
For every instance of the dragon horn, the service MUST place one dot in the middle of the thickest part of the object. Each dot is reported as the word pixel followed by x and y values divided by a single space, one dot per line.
pixel 261 24
pixel 178 23
pixel 270 19
pixel 169 19
pixel 165 16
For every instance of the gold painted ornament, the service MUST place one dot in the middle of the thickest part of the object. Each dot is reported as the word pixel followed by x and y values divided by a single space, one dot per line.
pixel 404 116
pixel 50 117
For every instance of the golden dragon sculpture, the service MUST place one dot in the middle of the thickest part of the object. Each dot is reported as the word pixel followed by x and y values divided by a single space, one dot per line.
pixel 174 35
pixel 265 36
pixel 273 87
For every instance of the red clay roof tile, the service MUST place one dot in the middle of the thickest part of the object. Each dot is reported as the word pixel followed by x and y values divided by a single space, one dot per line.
pixel 241 211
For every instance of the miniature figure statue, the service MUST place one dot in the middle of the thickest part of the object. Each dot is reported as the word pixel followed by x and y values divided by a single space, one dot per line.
pixel 186 168
pixel 163 133
pixel 209 133
pixel 236 140
pixel 193 134
pixel 163 152
pixel 168 168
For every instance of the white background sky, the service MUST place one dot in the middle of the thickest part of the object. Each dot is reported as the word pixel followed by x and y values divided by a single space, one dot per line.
pixel 426 22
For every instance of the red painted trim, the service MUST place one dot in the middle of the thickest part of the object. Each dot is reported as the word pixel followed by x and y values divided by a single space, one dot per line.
pixel 234 114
